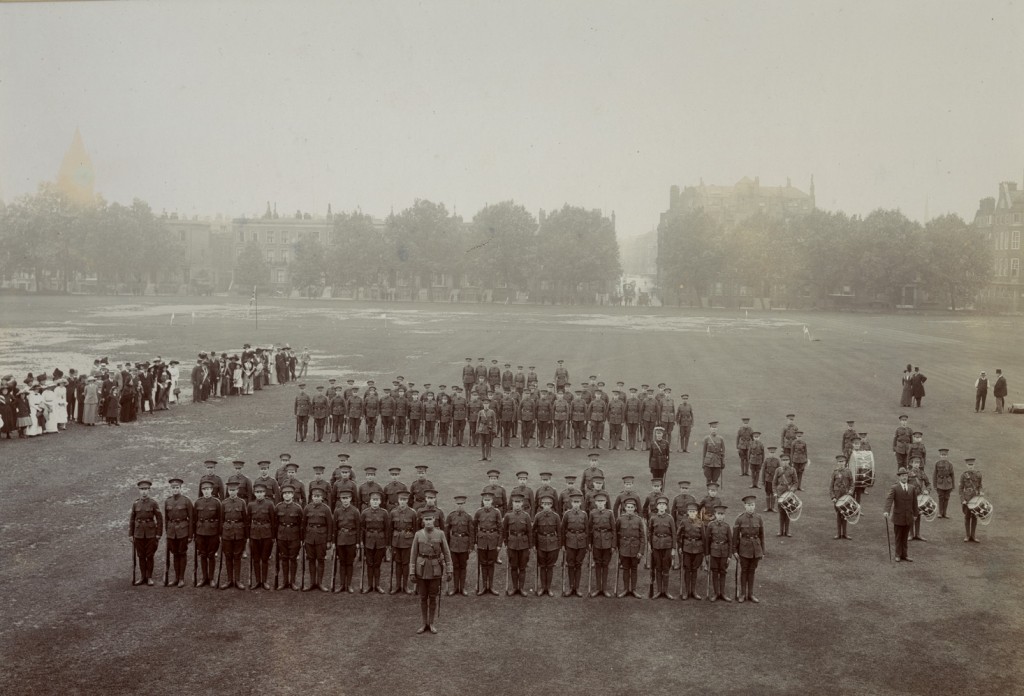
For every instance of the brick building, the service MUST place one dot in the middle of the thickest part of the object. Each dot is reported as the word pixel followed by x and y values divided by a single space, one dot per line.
pixel 1002 220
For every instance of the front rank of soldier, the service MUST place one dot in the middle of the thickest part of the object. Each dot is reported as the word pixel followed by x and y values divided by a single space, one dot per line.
pixel 233 534
pixel 289 539
pixel 748 540
pixel 487 522
pixel 404 522
pixel 516 535
pixel 262 531
pixel 662 535
pixel 547 539
pixel 145 527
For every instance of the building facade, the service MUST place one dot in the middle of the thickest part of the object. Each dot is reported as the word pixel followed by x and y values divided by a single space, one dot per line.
pixel 1002 220
pixel 744 199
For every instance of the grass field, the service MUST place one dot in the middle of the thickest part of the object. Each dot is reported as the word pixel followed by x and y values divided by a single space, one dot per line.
pixel 835 617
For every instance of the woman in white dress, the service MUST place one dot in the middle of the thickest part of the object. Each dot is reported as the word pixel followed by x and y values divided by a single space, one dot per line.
pixel 271 362
pixel 172 370
pixel 36 407
pixel 61 392
pixel 236 376
pixel 91 401
pixel 50 402
pixel 247 372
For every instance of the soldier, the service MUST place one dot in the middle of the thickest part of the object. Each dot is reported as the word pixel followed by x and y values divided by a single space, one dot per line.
pixel 523 489
pixel 543 409
pixel 602 540
pixel 303 405
pixel 497 491
pixel 848 435
pixel 234 524
pixel 444 420
pixel 597 484
pixel 616 417
pixel 320 408
pixel 494 375
pixel 468 375
pixel 784 481
pixel 344 482
pixel 208 516
pixel 507 378
pixel 748 537
pixel 402 405
pixel 918 478
pixel 662 540
pixel 633 407
pixel 561 411
pixel 901 441
pixel 404 523
pixel 481 370
pixel 472 411
pixel 347 523
pixel 565 495
pixel 684 419
pixel 743 438
pixel 320 481
pixel 718 548
pixel 217 481
pixel 387 416
pixel 917 449
pixel 375 528
pixel 970 487
pixel 392 490
pixel 487 523
pixel 354 413
pixel 650 504
pixel 291 468
pixel 145 527
pixel 658 456
pixel 858 481
pixel 547 539
pixel 708 503
pixel 528 417
pixel 519 380
pixel 597 414
pixel 432 560
pixel 430 418
pixel 419 487
pixel 943 476
pixel 788 433
pixel 289 539
pixel 755 457
pixel 532 380
pixel 369 486
pixel 648 415
pixel 336 405
pixel 713 454
pixel 415 416
pixel 692 542
pixel 841 484
pixel 799 458
pixel 461 538
pixel 561 375
pixel 507 415
pixel 545 488
pixel 371 412
pixel 590 472
pixel 631 538
pixel 486 426
pixel 180 516
pixel 573 530
pixel 681 503
pixel 431 506
pixel 460 413
pixel 244 484
pixel 771 465
pixel 864 444
pixel 262 530
pixel 516 533
pixel 578 415
pixel 282 470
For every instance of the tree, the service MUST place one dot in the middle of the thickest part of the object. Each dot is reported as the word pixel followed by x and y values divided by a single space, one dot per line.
pixel 424 240
pixel 957 259
pixel 690 254
pixel 308 265
pixel 250 266
pixel 886 255
pixel 576 248
pixel 357 250
pixel 502 246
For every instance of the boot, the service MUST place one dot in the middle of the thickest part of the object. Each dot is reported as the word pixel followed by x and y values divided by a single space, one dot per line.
pixel 522 581
pixel 462 583
pixel 632 580
pixel 664 586
pixel 750 588
pixel 714 587
pixel 425 614
pixel 431 613
pixel 577 573
pixel 513 577
pixel 574 582
pixel 482 577
pixel 721 589
pixel 741 588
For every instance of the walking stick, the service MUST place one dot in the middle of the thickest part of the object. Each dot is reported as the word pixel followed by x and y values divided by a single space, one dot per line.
pixel 135 554
pixel 888 540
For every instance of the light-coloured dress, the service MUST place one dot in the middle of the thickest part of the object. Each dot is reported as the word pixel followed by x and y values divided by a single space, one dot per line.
pixel 50 402
pixel 91 403
pixel 61 392
pixel 35 406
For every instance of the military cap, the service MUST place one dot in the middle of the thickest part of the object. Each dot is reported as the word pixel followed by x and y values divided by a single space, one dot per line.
pixel 660 499
pixel 650 390
pixel 721 507
pixel 546 496
pixel 668 389
pixel 598 478
pixel 395 470
pixel 332 380
pixel 238 463
pixel 291 465
pixel 551 384
pixel 632 389
pixel 302 385
pixel 485 400
pixel 395 382
pixel 856 439
pixel 594 455
pixel 658 428
pixel 970 460
pixel 840 457
pixel 486 494
pixel 287 488
pixel 577 494
pixel 430 493
pixel 421 467
pixel 756 432
pixel 284 455
pixel 602 495
pixel 684 396
pixel 345 467
pixel 479 358
pixel 902 470
pixel 494 361
pixel 259 485
pixel 144 483
pixel 494 472
pixel 790 415
pixel 560 362
pixel 376 494
pixel 712 484
pixel 545 474
pixel 943 449
pixel 319 387
pixel 428 514
pixel 918 434
pixel 771 448
pixel 459 498
pixel 684 483
pixel 442 386
pixel 387 390
pixel 210 462
pixel 628 479
pixel 915 458
pixel 783 456
pixel 343 456
pixel 232 483
pixel 570 478
pixel 206 484
pixel 457 388
pixel 657 481
pixel 750 499
pixel 403 494
pixel 470 359
pixel 799 433
pixel 370 469
pixel 578 392
pixel 369 382
pixel 350 381
pixel 263 464
pixel 849 422
pixel 744 419
pixel 631 499
pixel 345 494
pixel 172 481
pixel 319 467
pixel 522 474
pixel 862 434
pixel 692 506
pixel 517 496
pixel 904 417
pixel 713 423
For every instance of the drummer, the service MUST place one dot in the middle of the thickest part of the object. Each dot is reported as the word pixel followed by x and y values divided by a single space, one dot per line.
pixel 840 485
pixel 917 477
pixel 970 487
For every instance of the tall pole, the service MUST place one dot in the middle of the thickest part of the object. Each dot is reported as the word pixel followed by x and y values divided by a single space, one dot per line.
pixel 256 305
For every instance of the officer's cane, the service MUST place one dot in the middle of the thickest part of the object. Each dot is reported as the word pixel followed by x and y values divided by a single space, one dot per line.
pixel 134 561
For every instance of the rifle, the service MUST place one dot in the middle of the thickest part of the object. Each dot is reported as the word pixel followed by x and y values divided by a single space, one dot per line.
pixel 736 580
pixel 302 580
pixel 167 562
pixel 650 585
pixel 707 580
pixel 195 566
pixel 362 567
pixel 562 574
pixel 296 428
pixel 478 573
pixel 334 567
pixel 536 577
pixel 682 588
pixel 134 561
pixel 590 575
pixel 391 575
pixel 220 564
pixel 277 564
pixel 507 566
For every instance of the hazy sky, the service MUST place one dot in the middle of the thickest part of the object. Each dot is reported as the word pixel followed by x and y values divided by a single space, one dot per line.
pixel 218 107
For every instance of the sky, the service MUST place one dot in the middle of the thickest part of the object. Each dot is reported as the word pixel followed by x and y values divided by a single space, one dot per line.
pixel 205 108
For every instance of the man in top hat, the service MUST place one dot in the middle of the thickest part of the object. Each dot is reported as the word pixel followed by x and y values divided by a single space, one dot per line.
pixel 755 457
pixel 369 486
pixel 901 506
pixel 662 528
pixel 392 488
pixel 289 538
pixel 840 484
pixel 901 441
pixel 180 516
pixel 573 531
pixel 217 481
pixel 784 481
pixel 944 478
pixel 743 437
pixel 487 524
pixel 244 484
pixel 432 560
pixel 771 465
pixel 718 548
pixel 713 454
pixel 970 486
pixel 799 458
pixel 516 535
pixel 404 523
pixel 208 519
pixel 375 528
pixel 459 530
pixel 320 408
pixel 262 531
pixel 303 407
pixel 145 527
pixel 748 540
pixel 347 522
pixel 692 540
pixel 602 540
pixel 233 534
pixel 631 538
pixel 848 435
pixel 486 427
pixel 547 539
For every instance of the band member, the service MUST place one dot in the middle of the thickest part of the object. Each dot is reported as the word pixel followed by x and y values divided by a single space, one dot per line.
pixel 848 436
pixel 234 523
pixel 718 548
pixel 944 479
pixel 784 481
pixel 289 539
pixel 840 484
pixel 860 477
pixel 662 540
pixel 487 523
pixel 631 538
pixel 970 486
pixel 547 540
pixel 404 522
pixel 375 528
pixel 145 527
pixel 208 516
pixel 317 535
pixel 917 478
pixel 432 560
pixel 516 534
pixel 748 537
pixel 789 431
pixel 347 524
pixel 713 454
pixel 692 544
pixel 262 531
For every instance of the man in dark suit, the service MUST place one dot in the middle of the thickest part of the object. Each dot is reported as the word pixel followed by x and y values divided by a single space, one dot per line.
pixel 901 505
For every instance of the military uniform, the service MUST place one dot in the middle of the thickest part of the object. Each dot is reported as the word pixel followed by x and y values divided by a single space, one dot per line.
pixel 849 435
pixel 320 408
pixel 574 531
pixel 300 489
pixel 404 523
pixel 354 413
pixel 602 540
pixel 528 418
pixel 500 497
pixel 597 415
pixel 386 408
pixel 784 481
pixel 217 481
pixel 346 484
pixel 468 375
pixel 544 411
pixel 366 488
pixel 789 432
pixel 289 541
pixel 944 477
pixel 970 486
pixel 662 530
pixel 718 547
pixel 799 459
pixel 303 405
pixel 631 539
pixel 371 412
pixel 145 527
pixel 771 465
pixel 432 559
pixel 179 514
pixel 208 525
pixel 402 405
pixel 391 492
pixel 376 530
pixel 658 456
pixel 487 523
pixel 243 483
pixel 919 479
pixel 744 436
pixel 755 460
pixel 486 427
pixel 431 509
pixel 262 531
pixel 578 415
pixel 564 501
pixel 901 443
pixel 679 507
pixel 684 419
pixel 547 539
pixel 460 414
pixel 234 524
pixel 337 408
pixel 692 543
pixel 713 458
pixel 461 538
pixel 840 484
pixel 347 523
pixel 529 502
pixel 561 410
pixel 415 419
pixel 748 537
pixel 516 534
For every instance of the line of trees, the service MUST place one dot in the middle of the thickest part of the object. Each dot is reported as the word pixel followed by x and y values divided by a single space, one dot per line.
pixel 49 236
pixel 569 256
pixel 822 253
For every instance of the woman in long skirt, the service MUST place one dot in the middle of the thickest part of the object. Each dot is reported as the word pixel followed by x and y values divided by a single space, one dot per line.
pixel 90 402
pixel 172 370
pixel 50 402
pixel 36 408
pixel 8 411
pixel 271 367
pixel 113 405
pixel 24 411
pixel 61 392
pixel 908 386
